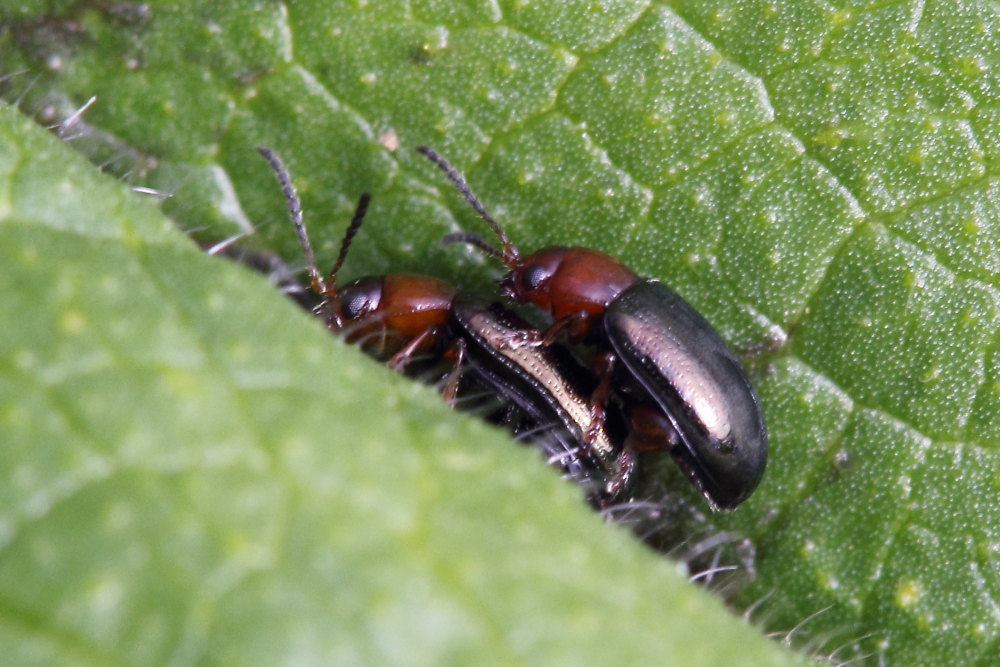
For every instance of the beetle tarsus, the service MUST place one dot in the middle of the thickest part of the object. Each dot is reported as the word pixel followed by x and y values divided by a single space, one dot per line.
pixel 622 475
pixel 524 338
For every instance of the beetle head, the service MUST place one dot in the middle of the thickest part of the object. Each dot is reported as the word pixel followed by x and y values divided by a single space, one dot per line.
pixel 347 308
pixel 529 279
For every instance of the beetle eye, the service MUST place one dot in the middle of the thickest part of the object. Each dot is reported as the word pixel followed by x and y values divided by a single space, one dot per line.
pixel 533 276
pixel 354 305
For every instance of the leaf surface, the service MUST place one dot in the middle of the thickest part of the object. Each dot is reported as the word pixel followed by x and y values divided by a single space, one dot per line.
pixel 819 180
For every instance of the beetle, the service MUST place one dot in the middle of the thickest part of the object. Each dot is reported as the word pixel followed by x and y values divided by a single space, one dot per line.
pixel 409 312
pixel 550 388
pixel 652 351
pixel 546 385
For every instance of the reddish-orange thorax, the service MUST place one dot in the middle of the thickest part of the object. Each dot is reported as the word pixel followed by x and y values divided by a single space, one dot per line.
pixel 397 306
pixel 414 303
pixel 574 280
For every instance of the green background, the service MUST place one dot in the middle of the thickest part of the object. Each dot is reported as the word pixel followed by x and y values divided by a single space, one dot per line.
pixel 193 471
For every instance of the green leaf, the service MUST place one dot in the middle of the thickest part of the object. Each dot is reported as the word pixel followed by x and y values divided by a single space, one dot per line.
pixel 820 181
pixel 194 471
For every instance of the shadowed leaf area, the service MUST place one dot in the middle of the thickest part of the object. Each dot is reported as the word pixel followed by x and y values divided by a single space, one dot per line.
pixel 194 471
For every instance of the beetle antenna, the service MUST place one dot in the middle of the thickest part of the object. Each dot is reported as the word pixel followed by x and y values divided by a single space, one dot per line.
pixel 352 229
pixel 472 239
pixel 295 213
pixel 510 253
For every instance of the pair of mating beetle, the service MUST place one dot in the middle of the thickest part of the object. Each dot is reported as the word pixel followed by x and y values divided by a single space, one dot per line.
pixel 672 380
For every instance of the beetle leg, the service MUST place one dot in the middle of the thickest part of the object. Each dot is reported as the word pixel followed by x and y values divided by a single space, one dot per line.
pixel 399 360
pixel 450 393
pixel 604 364
pixel 622 475
pixel 523 338
pixel 574 324
pixel 533 338
pixel 650 430
pixel 383 334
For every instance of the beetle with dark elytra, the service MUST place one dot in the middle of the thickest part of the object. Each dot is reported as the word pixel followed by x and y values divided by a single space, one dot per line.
pixel 415 314
pixel 684 389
